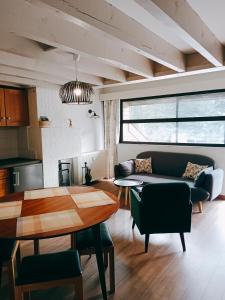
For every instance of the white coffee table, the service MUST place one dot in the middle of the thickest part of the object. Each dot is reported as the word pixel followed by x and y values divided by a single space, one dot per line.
pixel 126 184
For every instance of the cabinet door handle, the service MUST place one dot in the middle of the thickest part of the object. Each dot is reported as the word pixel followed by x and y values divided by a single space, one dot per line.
pixel 3 118
pixel 16 178
pixel 8 118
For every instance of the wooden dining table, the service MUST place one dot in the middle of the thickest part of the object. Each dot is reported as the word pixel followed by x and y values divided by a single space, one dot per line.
pixel 48 213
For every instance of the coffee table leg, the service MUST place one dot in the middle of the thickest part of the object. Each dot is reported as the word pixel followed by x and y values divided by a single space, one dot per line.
pixel 120 192
pixel 99 256
pixel 126 195
pixel 129 196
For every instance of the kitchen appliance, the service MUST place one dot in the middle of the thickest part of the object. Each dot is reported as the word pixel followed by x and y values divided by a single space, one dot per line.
pixel 26 177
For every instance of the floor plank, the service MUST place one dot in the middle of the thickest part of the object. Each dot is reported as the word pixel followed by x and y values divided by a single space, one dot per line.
pixel 165 272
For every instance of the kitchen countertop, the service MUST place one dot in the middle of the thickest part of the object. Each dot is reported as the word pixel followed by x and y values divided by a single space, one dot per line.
pixel 17 161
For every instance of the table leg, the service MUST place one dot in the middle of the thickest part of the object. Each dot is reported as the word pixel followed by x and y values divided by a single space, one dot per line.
pixel 120 192
pixel 36 247
pixel 99 256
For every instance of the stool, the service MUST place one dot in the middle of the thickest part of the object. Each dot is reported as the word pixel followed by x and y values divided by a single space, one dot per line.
pixel 50 270
pixel 84 243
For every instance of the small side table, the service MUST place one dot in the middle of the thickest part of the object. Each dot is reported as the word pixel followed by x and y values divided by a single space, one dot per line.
pixel 126 184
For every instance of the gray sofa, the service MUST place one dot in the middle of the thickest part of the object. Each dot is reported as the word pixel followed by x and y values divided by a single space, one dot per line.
pixel 169 167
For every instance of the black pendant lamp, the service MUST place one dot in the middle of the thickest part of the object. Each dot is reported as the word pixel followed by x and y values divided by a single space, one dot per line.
pixel 76 92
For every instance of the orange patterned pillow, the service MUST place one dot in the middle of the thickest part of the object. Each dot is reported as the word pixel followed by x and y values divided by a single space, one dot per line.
pixel 143 165
pixel 192 170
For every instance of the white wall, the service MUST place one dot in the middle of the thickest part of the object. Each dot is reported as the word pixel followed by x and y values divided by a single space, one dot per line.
pixel 61 141
pixel 164 87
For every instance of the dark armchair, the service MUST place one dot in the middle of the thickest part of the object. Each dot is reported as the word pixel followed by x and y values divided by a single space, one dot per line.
pixel 162 208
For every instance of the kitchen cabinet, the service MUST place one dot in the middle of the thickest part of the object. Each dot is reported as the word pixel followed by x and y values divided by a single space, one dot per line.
pixel 2 108
pixel 4 182
pixel 13 107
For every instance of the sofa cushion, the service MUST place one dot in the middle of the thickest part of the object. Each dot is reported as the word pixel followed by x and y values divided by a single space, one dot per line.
pixel 193 170
pixel 201 176
pixel 126 168
pixel 143 165
pixel 155 178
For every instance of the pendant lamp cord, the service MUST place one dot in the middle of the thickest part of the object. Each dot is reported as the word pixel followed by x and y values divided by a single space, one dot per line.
pixel 76 58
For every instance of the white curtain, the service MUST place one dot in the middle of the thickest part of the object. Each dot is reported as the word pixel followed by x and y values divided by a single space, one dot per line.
pixel 111 126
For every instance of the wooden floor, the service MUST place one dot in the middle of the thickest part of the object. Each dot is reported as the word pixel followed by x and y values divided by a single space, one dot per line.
pixel 163 273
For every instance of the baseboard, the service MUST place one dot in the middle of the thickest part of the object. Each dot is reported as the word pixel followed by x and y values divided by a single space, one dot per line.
pixel 221 197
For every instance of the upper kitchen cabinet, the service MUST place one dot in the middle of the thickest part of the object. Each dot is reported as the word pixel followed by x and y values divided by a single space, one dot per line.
pixel 13 107
pixel 2 108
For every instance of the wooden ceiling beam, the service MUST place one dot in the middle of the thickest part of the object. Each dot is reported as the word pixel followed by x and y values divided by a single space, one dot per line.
pixel 179 16
pixel 99 17
pixel 52 63
pixel 56 79
pixel 26 20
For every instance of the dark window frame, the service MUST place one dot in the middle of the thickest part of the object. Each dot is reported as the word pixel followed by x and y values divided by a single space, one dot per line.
pixel 162 120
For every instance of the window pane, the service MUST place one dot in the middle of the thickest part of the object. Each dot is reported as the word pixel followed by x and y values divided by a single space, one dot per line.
pixel 150 109
pixel 150 132
pixel 201 132
pixel 203 105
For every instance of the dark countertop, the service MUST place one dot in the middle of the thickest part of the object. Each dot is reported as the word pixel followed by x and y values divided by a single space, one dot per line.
pixel 17 161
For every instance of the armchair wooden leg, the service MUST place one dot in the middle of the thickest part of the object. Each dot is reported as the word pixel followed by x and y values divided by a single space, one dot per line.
pixel 182 241
pixel 112 270
pixel 119 193
pixel 146 242
pixel 200 206
pixel 133 224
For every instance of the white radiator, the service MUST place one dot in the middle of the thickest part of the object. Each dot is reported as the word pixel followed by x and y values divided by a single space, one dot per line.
pixel 96 161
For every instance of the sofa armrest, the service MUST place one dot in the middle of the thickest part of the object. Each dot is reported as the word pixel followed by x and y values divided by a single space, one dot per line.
pixel 117 172
pixel 213 182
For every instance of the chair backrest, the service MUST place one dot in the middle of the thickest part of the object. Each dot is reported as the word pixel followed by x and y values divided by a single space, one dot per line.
pixel 166 207
pixel 174 164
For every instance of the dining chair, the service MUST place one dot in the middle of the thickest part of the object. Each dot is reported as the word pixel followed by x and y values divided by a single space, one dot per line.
pixel 162 208
pixel 9 253
pixel 50 270
pixel 83 241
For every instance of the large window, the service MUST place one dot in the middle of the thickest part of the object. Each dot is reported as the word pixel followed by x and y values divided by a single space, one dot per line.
pixel 186 119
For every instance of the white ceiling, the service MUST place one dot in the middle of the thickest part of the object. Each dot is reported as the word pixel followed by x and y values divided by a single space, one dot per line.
pixel 119 42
